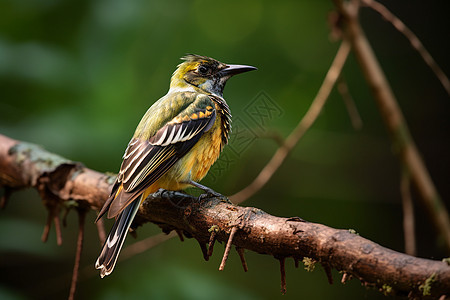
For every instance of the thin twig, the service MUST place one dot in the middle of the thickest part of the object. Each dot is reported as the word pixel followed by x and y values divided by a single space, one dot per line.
pixel 212 240
pixel 326 267
pixel 241 251
pixel 180 235
pixel 273 135
pixel 47 227
pixel 58 232
pixel 7 191
pixel 204 250
pixel 394 120
pixel 346 277
pixel 227 248
pixel 283 275
pixel 101 231
pixel 306 122
pixel 408 214
pixel 413 39
pixel 76 267
pixel 353 113
pixel 53 215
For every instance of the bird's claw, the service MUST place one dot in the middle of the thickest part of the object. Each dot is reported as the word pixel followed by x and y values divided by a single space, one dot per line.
pixel 213 194
pixel 162 193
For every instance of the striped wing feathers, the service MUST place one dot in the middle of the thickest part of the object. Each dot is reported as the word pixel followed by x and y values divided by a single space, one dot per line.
pixel 145 161
pixel 185 126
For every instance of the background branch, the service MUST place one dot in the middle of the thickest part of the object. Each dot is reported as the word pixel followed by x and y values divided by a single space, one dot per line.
pixel 255 230
pixel 305 123
pixel 408 215
pixel 413 39
pixel 349 102
pixel 393 118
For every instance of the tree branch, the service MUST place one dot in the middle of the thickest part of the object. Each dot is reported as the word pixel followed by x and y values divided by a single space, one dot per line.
pixel 393 117
pixel 27 165
pixel 408 215
pixel 413 39
pixel 305 123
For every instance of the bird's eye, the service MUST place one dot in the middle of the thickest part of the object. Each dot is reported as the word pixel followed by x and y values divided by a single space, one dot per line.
pixel 202 69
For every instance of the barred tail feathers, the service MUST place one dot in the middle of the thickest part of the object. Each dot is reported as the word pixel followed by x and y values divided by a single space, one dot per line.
pixel 113 244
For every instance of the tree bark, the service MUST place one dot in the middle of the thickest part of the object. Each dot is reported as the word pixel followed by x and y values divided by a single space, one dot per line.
pixel 57 180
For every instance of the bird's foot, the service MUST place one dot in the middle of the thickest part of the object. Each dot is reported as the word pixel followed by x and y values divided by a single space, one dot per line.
pixel 162 193
pixel 213 194
pixel 209 193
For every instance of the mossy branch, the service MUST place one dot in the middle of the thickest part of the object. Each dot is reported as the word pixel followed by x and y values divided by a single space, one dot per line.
pixel 60 181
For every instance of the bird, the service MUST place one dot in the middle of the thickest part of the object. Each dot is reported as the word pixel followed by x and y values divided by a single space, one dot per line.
pixel 175 144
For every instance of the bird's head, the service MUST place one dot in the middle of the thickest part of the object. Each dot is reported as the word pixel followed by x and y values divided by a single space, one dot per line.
pixel 204 73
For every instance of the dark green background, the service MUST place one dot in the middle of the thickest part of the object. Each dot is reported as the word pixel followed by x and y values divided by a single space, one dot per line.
pixel 76 77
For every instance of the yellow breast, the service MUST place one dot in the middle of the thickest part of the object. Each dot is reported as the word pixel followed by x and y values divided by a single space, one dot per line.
pixel 206 151
pixel 197 162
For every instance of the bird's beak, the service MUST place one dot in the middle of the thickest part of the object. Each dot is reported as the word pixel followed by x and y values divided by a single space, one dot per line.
pixel 232 70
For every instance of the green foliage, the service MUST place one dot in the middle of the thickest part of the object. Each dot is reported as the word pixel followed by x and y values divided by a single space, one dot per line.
pixel 76 77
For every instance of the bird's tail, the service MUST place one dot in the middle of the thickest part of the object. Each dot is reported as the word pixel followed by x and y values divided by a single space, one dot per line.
pixel 113 244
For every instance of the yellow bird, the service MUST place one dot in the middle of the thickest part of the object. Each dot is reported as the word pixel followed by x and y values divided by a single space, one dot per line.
pixel 177 141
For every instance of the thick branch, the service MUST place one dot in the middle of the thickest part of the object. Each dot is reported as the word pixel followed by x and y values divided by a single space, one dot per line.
pixel 28 165
pixel 293 237
pixel 25 165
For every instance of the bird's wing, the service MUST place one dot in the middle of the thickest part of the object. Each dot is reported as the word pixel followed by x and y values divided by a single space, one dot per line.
pixel 146 160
